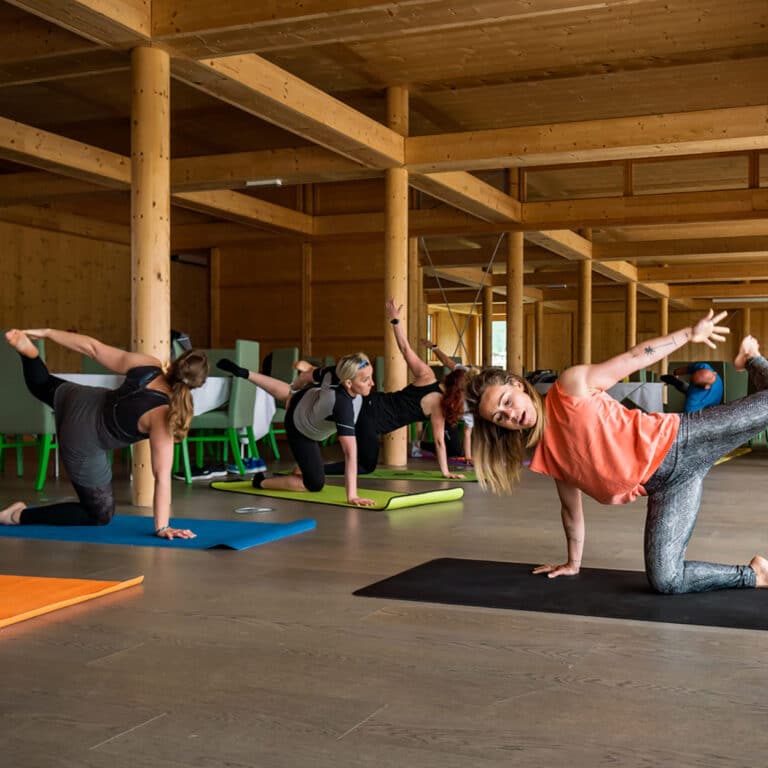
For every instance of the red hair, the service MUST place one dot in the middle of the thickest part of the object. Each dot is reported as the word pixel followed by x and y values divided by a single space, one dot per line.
pixel 453 398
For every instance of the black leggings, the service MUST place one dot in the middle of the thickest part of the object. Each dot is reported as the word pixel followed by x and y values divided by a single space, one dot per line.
pixel 96 506
pixel 305 450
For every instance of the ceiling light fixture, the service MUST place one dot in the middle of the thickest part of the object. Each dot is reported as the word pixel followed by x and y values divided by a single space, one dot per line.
pixel 264 183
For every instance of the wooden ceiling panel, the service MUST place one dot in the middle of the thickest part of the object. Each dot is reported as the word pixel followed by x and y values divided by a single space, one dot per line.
pixel 641 92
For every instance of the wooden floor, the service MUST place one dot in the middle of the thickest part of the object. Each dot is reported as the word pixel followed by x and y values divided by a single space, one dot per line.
pixel 264 657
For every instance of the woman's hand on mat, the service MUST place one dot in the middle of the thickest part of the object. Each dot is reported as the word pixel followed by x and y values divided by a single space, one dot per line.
pixel 553 571
pixel 176 533
pixel 708 331
pixel 453 475
pixel 358 501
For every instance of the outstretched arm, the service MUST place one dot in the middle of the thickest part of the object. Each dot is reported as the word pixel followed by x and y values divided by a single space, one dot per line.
pixel 572 515
pixel 117 360
pixel 349 447
pixel 583 380
pixel 421 371
pixel 439 354
pixel 438 433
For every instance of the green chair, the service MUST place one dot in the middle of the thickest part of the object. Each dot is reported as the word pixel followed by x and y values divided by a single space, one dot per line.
pixel 329 361
pixel 224 424
pixel 23 414
pixel 89 365
pixel 283 361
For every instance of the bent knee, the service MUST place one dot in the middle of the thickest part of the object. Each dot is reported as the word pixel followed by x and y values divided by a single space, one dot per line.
pixel 314 486
pixel 666 583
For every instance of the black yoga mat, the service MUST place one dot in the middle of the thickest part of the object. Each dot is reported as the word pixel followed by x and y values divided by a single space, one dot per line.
pixel 594 592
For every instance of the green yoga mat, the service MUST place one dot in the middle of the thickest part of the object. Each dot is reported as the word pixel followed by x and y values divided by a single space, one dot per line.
pixel 412 474
pixel 337 496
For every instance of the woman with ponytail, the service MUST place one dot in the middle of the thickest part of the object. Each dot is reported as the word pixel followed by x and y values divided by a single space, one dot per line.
pixel 153 402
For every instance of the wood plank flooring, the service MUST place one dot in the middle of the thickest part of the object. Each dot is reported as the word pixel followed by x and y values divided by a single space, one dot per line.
pixel 264 658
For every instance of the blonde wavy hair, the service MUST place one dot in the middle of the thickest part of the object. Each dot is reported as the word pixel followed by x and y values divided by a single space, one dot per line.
pixel 349 365
pixel 185 373
pixel 498 453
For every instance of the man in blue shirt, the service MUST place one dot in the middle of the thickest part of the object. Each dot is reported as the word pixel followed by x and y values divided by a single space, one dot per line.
pixel 704 389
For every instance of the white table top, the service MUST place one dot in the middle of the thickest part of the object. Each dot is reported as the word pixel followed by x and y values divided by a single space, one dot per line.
pixel 649 396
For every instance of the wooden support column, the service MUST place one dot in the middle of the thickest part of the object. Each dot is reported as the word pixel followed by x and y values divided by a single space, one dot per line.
pixel 515 328
pixel 415 290
pixel 487 345
pixel 663 331
pixel 584 349
pixel 630 322
pixel 395 451
pixel 150 227
pixel 538 335
pixel 307 206
pixel 746 321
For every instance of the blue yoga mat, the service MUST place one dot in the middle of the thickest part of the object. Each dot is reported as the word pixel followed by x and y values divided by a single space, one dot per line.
pixel 139 531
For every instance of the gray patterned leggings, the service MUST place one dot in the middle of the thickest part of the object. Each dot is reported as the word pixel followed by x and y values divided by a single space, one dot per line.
pixel 674 490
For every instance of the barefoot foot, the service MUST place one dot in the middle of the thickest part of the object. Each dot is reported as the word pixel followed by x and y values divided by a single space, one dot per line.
pixel 10 515
pixel 760 566
pixel 749 348
pixel 21 343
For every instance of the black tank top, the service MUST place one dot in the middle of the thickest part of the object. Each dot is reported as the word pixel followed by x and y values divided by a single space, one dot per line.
pixel 125 405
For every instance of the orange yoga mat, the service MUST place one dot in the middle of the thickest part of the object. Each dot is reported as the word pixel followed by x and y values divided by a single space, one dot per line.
pixel 23 597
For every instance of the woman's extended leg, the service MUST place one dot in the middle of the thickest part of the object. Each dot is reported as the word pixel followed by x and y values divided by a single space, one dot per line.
pixel 96 506
pixel 36 376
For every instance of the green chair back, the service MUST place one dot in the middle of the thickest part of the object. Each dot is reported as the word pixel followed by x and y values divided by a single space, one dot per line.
pixel 328 361
pixel 243 395
pixel 214 355
pixel 20 412
pixel 283 360
pixel 89 365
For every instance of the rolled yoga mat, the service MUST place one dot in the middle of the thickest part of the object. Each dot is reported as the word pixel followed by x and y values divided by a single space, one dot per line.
pixel 593 592
pixel 24 597
pixel 337 496
pixel 140 531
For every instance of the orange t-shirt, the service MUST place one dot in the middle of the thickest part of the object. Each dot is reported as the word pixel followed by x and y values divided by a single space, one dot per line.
pixel 601 447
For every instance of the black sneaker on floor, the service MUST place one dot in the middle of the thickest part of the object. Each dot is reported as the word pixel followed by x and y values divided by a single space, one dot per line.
pixel 203 473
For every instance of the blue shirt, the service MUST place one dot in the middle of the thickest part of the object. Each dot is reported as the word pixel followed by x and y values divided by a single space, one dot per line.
pixel 697 398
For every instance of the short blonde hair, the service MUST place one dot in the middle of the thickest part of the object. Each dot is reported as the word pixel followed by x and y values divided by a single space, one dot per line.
pixel 349 366
pixel 498 453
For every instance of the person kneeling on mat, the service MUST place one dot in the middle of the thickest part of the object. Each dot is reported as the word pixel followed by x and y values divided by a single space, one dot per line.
pixel 154 402
pixel 312 415
pixel 588 442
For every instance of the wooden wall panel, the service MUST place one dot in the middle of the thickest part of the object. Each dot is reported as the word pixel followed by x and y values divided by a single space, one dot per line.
pixel 260 294
pixel 62 281
pixel 190 303
pixel 558 331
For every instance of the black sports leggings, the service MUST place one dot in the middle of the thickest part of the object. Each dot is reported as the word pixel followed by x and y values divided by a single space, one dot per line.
pixel 96 506
pixel 305 450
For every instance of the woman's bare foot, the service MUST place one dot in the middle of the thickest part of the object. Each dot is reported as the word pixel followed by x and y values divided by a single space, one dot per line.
pixel 749 348
pixel 302 366
pixel 10 515
pixel 760 566
pixel 21 343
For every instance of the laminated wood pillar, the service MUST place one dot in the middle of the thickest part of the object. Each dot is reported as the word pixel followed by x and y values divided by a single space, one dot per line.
pixel 538 335
pixel 415 295
pixel 584 314
pixel 630 322
pixel 150 226
pixel 395 444
pixel 306 206
pixel 487 345
pixel 515 328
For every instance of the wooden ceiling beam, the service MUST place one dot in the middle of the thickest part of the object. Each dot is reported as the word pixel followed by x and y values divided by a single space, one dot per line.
pixel 301 165
pixel 725 290
pixel 647 209
pixel 659 249
pixel 706 273
pixel 244 209
pixel 24 144
pixel 624 138
pixel 564 242
pixel 96 61
pixel 64 222
pixel 468 193
pixel 38 186
pixel 121 24
pixel 618 271
pixel 260 88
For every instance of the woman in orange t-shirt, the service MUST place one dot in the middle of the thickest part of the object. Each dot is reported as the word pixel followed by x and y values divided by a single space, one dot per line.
pixel 587 441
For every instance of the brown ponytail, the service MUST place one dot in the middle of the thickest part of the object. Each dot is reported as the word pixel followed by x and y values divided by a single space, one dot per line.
pixel 187 372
